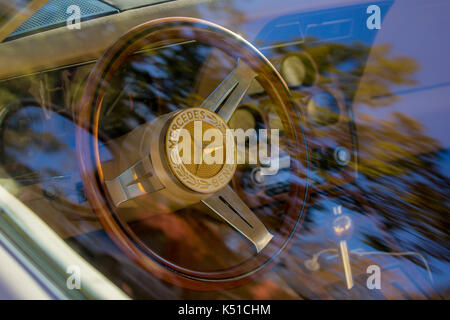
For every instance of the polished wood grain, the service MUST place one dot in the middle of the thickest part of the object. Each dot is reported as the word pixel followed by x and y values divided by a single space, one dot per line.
pixel 151 34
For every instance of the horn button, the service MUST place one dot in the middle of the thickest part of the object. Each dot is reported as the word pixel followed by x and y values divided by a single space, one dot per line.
pixel 200 150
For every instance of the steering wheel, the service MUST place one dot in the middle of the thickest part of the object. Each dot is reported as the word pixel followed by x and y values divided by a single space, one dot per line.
pixel 160 175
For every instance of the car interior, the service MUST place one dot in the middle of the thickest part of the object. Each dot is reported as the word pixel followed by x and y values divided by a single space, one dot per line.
pixel 361 183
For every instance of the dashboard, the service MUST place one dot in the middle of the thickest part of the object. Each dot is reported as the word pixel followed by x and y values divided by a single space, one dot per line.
pixel 370 110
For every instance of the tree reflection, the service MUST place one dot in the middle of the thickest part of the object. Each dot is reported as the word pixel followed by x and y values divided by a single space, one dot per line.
pixel 403 172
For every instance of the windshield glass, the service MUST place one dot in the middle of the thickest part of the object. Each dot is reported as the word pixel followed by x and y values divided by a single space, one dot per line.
pixel 338 183
pixel 14 13
pixel 8 9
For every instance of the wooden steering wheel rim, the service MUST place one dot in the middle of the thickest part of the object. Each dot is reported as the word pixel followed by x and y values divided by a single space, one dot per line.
pixel 163 30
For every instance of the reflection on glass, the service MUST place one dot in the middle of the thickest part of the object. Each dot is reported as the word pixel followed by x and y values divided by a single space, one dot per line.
pixel 386 197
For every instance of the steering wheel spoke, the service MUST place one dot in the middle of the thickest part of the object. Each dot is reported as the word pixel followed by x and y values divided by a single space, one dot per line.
pixel 226 97
pixel 229 206
pixel 136 181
